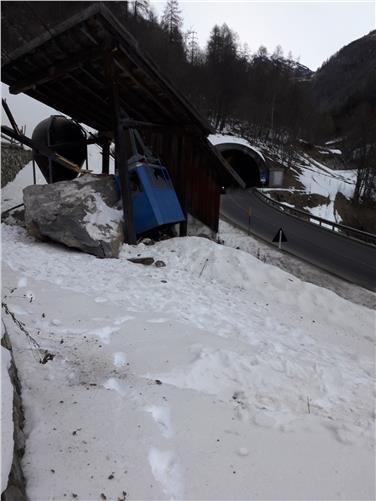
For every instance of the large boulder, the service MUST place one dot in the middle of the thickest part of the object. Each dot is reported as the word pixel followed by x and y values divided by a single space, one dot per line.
pixel 82 213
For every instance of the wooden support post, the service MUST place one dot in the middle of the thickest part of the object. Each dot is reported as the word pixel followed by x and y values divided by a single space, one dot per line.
pixel 121 167
pixel 106 157
pixel 179 159
pixel 121 164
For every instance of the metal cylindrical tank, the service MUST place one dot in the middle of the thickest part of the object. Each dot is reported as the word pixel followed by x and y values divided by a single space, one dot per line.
pixel 66 138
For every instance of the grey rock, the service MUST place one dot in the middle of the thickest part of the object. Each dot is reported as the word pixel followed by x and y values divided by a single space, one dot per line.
pixel 79 213
pixel 15 490
pixel 147 261
pixel 160 264
pixel 147 241
pixel 13 159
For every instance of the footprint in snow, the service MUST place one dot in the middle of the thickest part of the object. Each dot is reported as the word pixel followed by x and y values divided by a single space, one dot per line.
pixel 167 471
pixel 123 319
pixel 162 416
pixel 22 282
pixel 120 359
pixel 157 320
pixel 263 420
pixel 100 299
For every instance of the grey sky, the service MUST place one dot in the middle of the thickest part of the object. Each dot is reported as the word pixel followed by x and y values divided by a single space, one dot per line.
pixel 312 30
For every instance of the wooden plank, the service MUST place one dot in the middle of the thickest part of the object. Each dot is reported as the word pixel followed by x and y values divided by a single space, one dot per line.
pixel 55 71
pixel 140 88
pixel 10 116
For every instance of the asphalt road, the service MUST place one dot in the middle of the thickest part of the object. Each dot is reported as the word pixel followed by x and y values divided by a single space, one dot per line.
pixel 345 257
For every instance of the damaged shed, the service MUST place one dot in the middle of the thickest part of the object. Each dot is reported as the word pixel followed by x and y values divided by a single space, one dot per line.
pixel 78 59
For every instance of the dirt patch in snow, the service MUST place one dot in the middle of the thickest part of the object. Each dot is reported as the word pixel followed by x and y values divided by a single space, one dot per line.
pixel 299 200
pixel 356 216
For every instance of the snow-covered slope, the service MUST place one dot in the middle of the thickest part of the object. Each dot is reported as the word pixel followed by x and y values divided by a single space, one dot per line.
pixel 215 377
pixel 319 179
pixel 210 378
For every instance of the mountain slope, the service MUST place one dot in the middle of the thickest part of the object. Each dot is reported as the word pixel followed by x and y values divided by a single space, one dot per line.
pixel 348 77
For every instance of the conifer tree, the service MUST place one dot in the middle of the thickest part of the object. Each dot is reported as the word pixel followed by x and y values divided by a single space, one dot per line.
pixel 172 21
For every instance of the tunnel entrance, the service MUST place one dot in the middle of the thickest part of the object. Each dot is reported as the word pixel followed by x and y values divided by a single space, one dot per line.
pixel 244 165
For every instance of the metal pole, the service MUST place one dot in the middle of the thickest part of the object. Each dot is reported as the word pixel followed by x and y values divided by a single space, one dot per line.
pixel 280 239
pixel 49 145
pixel 34 176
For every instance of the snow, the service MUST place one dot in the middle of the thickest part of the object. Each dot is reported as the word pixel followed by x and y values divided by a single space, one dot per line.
pixel 224 138
pixel 218 376
pixel 332 151
pixel 7 444
pixel 334 141
pixel 11 194
pixel 267 253
pixel 319 179
pixel 103 222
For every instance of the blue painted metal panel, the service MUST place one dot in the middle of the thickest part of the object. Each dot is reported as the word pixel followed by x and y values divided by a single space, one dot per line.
pixel 154 199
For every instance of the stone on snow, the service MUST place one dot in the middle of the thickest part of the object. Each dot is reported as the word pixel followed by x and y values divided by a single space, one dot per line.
pixel 81 213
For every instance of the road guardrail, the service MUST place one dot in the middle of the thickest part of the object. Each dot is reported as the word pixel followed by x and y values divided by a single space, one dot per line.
pixel 346 231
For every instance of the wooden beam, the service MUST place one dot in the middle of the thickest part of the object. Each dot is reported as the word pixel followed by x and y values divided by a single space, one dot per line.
pixel 10 117
pixel 126 72
pixel 132 124
pixel 55 71
pixel 121 164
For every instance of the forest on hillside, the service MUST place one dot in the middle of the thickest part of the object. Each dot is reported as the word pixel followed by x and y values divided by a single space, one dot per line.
pixel 225 81
pixel 265 96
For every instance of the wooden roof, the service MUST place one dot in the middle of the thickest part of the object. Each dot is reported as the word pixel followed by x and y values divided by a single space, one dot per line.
pixel 61 61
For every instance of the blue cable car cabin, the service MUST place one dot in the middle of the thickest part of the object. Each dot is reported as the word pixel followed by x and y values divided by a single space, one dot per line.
pixel 154 199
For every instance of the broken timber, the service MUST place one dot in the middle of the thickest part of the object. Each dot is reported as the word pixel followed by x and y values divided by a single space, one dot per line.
pixel 44 150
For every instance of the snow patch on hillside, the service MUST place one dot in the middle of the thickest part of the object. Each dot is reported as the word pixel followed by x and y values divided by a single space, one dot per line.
pixel 321 180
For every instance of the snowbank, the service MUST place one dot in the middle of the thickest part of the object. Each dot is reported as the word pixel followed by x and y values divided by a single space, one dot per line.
pixel 215 377
pixel 166 381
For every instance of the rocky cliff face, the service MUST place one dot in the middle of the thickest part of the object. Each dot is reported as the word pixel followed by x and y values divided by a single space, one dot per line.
pixel 13 159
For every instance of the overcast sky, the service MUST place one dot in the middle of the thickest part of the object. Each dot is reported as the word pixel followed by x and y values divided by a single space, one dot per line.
pixel 313 30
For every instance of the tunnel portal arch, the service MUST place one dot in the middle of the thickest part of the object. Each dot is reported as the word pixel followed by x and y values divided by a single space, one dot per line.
pixel 247 162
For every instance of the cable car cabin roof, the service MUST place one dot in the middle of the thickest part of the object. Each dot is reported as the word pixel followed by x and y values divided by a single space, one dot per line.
pixel 61 61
